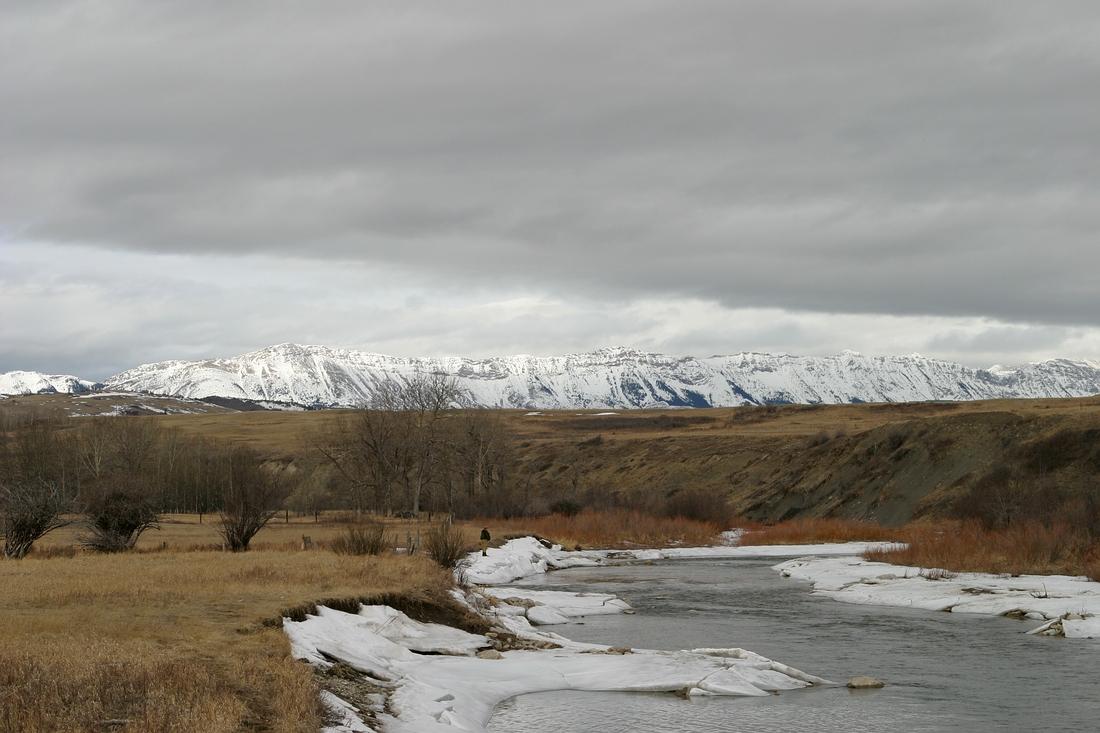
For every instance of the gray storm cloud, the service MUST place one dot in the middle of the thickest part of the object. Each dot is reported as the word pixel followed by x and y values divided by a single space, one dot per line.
pixel 916 159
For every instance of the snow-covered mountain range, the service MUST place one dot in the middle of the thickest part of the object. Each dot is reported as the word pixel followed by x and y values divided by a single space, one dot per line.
pixel 608 378
pixel 22 383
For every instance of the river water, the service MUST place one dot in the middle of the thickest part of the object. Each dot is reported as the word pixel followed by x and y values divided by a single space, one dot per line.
pixel 944 671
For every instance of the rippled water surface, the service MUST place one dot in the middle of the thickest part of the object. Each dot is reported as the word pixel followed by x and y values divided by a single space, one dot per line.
pixel 944 671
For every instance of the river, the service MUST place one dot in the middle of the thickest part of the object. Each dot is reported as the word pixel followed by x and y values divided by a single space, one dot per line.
pixel 944 671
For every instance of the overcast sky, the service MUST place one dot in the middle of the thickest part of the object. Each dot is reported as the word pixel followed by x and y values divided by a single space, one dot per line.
pixel 182 180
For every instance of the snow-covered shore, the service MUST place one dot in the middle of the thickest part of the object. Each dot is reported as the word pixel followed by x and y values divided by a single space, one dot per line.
pixel 526 556
pixel 1066 605
pixel 429 677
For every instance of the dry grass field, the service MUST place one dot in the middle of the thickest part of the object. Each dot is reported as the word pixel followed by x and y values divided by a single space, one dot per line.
pixel 174 641
pixel 609 529
pixel 285 532
pixel 177 636
pixel 810 531
pixel 1028 548
pixel 601 529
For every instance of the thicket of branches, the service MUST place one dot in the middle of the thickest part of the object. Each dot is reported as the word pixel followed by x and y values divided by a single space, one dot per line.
pixel 411 451
pixel 115 477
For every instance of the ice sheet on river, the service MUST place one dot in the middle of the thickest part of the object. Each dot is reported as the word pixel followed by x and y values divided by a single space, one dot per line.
pixel 1070 605
pixel 443 686
pixel 528 556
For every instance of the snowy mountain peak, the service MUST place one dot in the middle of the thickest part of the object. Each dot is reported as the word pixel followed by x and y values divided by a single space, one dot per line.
pixel 618 377
pixel 27 383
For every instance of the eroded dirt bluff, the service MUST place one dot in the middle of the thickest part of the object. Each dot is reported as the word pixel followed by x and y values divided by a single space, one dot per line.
pixel 890 463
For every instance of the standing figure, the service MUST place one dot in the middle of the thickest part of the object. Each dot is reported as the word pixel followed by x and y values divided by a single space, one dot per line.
pixel 485 539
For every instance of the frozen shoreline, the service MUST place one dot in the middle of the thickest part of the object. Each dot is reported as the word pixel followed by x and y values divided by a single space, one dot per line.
pixel 431 677
pixel 527 556
pixel 1068 606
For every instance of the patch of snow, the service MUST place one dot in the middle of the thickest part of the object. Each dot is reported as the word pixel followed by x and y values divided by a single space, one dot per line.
pixel 346 717
pixel 564 604
pixel 448 693
pixel 527 556
pixel 520 558
pixel 1071 605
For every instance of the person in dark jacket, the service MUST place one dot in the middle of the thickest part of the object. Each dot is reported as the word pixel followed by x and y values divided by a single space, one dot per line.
pixel 486 538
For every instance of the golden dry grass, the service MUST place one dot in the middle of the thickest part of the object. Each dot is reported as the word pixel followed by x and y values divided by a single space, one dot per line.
pixel 1026 548
pixel 612 528
pixel 186 531
pixel 609 529
pixel 809 531
pixel 174 641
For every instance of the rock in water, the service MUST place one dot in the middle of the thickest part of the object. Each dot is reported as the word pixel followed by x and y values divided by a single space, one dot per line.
pixel 865 683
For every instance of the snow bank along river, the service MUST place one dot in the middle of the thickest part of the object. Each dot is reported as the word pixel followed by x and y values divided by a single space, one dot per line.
pixel 943 672
pixel 433 677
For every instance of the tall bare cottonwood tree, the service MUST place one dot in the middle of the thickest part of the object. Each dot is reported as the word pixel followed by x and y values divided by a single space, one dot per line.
pixel 251 495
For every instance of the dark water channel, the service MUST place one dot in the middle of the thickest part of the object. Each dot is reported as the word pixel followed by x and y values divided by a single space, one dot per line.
pixel 944 671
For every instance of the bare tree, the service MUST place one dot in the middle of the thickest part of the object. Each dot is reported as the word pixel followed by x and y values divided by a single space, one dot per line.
pixel 117 519
pixel 251 495
pixel 94 444
pixel 396 442
pixel 28 510
pixel 135 441
pixel 367 450
pixel 424 401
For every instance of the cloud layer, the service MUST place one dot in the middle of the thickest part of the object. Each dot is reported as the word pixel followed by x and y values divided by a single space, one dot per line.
pixel 927 168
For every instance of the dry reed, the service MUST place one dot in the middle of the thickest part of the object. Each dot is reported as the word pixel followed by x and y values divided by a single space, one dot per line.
pixel 811 531
pixel 612 528
pixel 1025 548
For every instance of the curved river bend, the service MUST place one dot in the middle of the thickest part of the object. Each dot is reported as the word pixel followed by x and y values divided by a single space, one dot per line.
pixel 944 671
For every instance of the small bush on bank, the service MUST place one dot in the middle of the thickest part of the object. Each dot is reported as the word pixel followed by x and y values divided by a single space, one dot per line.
pixel 446 545
pixel 116 520
pixel 28 510
pixel 701 506
pixel 566 508
pixel 369 540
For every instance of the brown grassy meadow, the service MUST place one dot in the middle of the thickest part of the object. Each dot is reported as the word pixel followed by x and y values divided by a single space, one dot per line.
pixel 1028 548
pixel 174 641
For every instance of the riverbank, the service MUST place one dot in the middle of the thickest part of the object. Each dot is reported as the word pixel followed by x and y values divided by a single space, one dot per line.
pixel 526 556
pixel 175 642
pixel 1065 605
pixel 411 676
